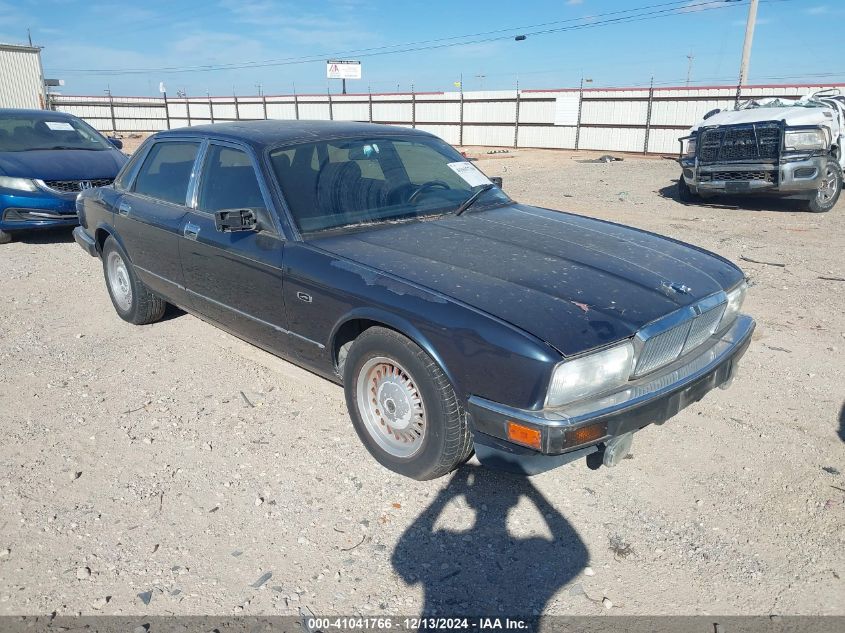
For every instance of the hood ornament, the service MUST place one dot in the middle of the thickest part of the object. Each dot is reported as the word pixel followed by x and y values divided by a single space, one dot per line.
pixel 677 288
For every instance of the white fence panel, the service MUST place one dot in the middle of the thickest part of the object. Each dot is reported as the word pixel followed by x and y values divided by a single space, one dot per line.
pixel 601 119
pixel 393 112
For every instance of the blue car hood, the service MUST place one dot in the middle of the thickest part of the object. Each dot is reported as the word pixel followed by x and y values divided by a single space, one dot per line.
pixel 65 164
pixel 574 282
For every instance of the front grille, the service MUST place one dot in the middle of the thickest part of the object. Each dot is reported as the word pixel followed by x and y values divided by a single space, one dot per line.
pixel 703 326
pixel 668 345
pixel 755 141
pixel 75 186
pixel 738 176
pixel 662 349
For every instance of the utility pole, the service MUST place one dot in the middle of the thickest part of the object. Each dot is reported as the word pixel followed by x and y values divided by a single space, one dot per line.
pixel 690 57
pixel 746 48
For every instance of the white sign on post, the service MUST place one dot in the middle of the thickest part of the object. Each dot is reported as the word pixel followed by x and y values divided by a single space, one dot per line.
pixel 343 69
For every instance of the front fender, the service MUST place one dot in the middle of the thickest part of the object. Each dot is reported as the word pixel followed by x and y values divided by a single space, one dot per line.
pixel 405 327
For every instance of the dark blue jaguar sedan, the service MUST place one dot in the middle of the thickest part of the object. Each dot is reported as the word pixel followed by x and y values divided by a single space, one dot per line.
pixel 456 319
pixel 46 159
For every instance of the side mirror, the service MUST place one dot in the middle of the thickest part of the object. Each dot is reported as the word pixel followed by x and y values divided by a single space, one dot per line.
pixel 116 142
pixel 496 180
pixel 234 220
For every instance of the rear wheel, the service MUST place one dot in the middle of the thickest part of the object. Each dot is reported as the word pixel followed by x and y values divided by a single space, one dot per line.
pixel 829 189
pixel 5 237
pixel 132 300
pixel 403 406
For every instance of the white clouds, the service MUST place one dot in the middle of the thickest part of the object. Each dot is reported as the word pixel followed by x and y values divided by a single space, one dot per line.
pixel 818 10
pixel 574 2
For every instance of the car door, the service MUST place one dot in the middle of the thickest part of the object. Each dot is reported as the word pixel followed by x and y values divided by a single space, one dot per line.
pixel 151 213
pixel 235 277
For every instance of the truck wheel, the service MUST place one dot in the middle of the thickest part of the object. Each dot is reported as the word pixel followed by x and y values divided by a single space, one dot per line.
pixel 132 300
pixel 5 237
pixel 685 194
pixel 403 406
pixel 828 192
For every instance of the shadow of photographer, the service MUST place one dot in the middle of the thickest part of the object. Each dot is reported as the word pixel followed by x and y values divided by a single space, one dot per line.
pixel 485 570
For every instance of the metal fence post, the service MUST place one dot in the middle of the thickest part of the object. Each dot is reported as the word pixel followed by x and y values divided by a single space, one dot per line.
pixel 210 109
pixel 461 122
pixel 331 110
pixel 264 104
pixel 237 109
pixel 648 115
pixel 370 101
pixel 296 106
pixel 166 111
pixel 578 122
pixel 413 107
pixel 111 112
pixel 516 120
pixel 188 110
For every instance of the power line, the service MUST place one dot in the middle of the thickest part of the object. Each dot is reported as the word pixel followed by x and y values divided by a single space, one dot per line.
pixel 635 15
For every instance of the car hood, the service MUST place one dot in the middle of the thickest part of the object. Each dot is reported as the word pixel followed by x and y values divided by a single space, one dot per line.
pixel 66 164
pixel 574 282
pixel 791 115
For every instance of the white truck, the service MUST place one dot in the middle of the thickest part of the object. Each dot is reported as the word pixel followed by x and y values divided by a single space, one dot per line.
pixel 771 146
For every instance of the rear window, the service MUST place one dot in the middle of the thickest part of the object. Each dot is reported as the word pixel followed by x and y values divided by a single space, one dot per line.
pixel 166 172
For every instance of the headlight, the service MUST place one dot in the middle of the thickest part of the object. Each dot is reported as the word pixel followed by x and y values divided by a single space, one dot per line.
pixel 690 147
pixel 735 299
pixel 21 184
pixel 805 139
pixel 593 373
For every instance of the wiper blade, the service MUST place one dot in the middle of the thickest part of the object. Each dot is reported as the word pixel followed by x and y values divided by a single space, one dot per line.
pixel 88 149
pixel 466 204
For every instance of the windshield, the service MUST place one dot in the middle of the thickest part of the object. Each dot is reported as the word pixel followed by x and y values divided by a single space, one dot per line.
pixel 349 182
pixel 23 132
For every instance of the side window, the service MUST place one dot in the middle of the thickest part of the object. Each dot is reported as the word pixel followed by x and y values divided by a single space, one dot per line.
pixel 228 181
pixel 166 171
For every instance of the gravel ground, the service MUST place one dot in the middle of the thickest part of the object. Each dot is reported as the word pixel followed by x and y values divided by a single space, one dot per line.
pixel 173 469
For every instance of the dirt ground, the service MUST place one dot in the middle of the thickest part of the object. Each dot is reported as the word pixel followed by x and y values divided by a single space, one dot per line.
pixel 173 469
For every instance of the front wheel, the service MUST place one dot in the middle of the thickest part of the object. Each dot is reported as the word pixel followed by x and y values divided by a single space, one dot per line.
pixel 829 189
pixel 5 237
pixel 403 406
pixel 685 194
pixel 132 300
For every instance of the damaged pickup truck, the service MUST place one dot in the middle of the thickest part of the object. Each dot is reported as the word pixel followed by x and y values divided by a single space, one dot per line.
pixel 783 147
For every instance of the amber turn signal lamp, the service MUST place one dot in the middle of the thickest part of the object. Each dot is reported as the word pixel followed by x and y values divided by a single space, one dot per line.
pixel 524 435
pixel 586 434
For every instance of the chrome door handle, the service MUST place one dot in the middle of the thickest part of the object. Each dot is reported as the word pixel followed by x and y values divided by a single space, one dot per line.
pixel 191 231
pixel 124 208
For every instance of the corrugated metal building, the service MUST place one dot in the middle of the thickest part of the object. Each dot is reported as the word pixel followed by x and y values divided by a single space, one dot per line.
pixel 21 77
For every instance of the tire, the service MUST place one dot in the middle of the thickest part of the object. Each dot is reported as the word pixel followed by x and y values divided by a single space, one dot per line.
pixel 132 300
pixel 411 392
pixel 685 194
pixel 828 192
pixel 5 237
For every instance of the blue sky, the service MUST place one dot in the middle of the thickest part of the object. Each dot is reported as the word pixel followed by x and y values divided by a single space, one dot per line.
pixel 90 44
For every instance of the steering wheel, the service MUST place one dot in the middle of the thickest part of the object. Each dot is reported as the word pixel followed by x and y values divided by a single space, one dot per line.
pixel 431 184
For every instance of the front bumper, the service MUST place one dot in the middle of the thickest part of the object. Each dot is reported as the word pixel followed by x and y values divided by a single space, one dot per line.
pixel 88 243
pixel 23 211
pixel 792 175
pixel 652 399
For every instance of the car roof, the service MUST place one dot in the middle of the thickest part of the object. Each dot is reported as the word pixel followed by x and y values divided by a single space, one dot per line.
pixel 266 133
pixel 44 114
